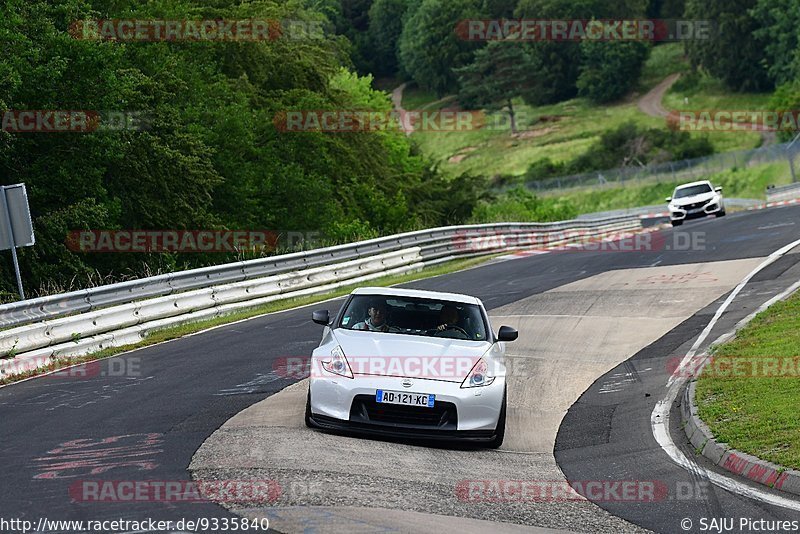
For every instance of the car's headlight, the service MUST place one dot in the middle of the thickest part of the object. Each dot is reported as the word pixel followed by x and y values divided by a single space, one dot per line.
pixel 337 364
pixel 480 375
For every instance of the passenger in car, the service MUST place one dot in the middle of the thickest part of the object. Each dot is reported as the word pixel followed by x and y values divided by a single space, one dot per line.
pixel 378 320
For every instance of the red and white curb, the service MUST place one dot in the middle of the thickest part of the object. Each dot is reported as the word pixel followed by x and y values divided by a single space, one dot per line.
pixel 738 463
pixel 590 245
pixel 775 204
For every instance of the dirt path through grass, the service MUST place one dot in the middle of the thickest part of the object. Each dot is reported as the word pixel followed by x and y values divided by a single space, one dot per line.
pixel 651 104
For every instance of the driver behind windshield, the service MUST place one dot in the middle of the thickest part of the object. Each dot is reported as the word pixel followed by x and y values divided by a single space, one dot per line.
pixel 378 320
pixel 448 317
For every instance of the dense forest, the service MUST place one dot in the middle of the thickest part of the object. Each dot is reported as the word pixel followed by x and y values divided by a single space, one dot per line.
pixel 211 155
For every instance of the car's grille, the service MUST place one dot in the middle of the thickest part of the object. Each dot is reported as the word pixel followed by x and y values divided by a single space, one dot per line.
pixel 442 416
pixel 695 205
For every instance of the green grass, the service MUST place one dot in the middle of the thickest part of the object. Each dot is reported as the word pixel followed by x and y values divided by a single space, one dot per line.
pixel 167 334
pixel 665 59
pixel 617 198
pixel 754 412
pixel 752 182
pixel 493 150
pixel 710 94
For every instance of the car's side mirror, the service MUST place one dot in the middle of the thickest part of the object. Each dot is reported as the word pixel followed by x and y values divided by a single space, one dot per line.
pixel 718 189
pixel 506 333
pixel 321 317
pixel 669 199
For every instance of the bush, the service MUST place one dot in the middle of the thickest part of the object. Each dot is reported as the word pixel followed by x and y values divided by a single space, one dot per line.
pixel 544 168
pixel 521 205
pixel 786 98
pixel 630 145
pixel 687 82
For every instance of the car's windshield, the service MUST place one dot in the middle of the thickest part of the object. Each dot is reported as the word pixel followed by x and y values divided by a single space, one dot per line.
pixel 692 191
pixel 414 316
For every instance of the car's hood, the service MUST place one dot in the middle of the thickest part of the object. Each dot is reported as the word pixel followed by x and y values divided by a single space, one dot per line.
pixel 694 199
pixel 401 355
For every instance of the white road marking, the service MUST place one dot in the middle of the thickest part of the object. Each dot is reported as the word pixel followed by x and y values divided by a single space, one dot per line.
pixel 777 225
pixel 659 419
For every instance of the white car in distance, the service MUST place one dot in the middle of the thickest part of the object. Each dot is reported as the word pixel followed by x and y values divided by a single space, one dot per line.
pixel 695 200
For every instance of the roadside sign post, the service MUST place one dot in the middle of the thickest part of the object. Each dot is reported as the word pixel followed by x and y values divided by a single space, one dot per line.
pixel 16 228
pixel 790 156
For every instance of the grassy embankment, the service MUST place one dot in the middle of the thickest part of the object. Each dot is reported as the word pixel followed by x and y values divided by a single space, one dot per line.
pixel 749 394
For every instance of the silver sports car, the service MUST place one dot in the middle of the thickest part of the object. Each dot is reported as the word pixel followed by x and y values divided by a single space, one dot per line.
pixel 408 363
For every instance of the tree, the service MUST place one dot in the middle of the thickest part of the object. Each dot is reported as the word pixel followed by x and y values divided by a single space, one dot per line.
pixel 499 9
pixel 385 27
pixel 734 53
pixel 779 22
pixel 610 69
pixel 211 156
pixel 500 72
pixel 430 48
pixel 787 98
pixel 558 63
pixel 666 9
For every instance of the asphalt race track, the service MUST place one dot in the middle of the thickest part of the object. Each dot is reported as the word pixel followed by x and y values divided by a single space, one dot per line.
pixel 598 330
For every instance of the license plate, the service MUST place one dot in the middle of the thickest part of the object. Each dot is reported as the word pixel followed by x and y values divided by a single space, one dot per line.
pixel 405 398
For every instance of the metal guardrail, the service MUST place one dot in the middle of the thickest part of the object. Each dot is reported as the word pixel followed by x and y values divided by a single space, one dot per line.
pixel 81 301
pixel 85 321
pixel 784 192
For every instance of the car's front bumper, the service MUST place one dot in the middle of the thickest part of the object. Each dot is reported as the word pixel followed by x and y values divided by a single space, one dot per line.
pixel 339 403
pixel 681 214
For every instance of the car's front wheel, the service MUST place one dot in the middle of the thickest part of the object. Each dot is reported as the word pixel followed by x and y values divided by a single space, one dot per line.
pixel 721 213
pixel 500 430
pixel 677 223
